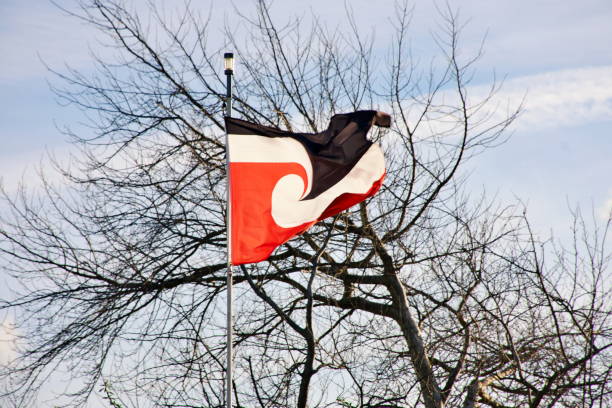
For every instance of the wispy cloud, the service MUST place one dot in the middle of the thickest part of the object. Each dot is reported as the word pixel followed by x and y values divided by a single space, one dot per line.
pixel 26 169
pixel 29 34
pixel 605 210
pixel 549 100
pixel 561 98
pixel 8 340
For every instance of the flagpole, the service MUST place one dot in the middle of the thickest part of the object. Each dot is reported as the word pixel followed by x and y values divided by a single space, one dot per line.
pixel 229 70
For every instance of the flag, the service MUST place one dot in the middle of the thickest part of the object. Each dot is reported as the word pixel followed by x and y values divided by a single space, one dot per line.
pixel 281 183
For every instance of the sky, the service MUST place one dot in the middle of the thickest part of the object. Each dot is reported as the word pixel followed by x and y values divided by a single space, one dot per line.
pixel 554 53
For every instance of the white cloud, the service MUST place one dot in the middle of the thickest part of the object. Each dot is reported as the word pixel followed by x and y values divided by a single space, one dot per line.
pixel 31 33
pixel 605 210
pixel 8 341
pixel 550 100
pixel 26 169
pixel 562 98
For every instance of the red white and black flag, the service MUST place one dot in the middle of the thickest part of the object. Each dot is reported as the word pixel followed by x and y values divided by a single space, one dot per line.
pixel 281 183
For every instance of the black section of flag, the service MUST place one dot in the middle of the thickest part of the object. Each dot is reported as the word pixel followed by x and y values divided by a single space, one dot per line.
pixel 332 152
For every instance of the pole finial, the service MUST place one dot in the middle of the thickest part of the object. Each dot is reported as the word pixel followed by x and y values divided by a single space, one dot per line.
pixel 228 60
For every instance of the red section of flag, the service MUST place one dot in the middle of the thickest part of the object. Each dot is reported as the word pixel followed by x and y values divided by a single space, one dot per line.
pixel 255 235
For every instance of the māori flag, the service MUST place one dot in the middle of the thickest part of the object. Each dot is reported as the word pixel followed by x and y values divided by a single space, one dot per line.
pixel 281 183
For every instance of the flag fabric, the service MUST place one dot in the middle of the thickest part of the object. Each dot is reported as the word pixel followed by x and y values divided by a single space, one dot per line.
pixel 281 183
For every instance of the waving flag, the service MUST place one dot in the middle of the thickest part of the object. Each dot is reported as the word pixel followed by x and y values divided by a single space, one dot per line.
pixel 281 183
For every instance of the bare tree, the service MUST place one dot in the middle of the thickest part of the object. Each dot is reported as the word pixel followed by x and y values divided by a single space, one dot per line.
pixel 423 296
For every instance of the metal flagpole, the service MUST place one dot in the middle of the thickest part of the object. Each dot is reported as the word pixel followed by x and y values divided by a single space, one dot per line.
pixel 228 58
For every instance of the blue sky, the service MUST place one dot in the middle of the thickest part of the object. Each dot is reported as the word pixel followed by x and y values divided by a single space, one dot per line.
pixel 556 52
